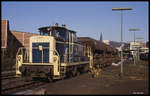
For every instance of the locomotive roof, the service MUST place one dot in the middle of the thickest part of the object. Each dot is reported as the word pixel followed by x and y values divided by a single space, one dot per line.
pixel 55 27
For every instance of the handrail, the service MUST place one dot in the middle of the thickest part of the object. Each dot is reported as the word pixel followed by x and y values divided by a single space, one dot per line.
pixel 58 59
pixel 23 51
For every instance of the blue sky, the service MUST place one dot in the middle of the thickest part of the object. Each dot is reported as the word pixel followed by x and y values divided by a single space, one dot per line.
pixel 88 19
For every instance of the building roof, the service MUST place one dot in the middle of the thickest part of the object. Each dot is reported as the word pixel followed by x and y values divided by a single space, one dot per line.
pixel 23 32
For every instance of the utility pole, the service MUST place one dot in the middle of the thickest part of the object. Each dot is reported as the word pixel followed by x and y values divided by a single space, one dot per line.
pixel 121 9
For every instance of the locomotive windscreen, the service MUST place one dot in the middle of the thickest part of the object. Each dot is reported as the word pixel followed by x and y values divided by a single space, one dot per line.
pixel 40 52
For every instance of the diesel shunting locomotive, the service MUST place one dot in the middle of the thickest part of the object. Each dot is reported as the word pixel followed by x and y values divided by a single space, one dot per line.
pixel 54 53
pixel 57 53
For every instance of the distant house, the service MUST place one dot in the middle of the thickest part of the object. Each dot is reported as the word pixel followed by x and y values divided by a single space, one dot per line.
pixel 113 44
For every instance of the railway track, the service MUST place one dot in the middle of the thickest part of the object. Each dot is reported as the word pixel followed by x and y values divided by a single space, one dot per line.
pixel 8 75
pixel 13 86
pixel 9 82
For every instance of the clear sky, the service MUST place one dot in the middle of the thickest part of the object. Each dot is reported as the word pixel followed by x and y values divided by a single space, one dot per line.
pixel 88 19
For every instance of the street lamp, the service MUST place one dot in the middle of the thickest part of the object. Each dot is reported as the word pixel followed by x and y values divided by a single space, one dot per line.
pixel 134 29
pixel 121 9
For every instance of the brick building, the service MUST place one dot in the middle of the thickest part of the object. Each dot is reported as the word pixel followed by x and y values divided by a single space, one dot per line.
pixel 4 31
pixel 10 43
